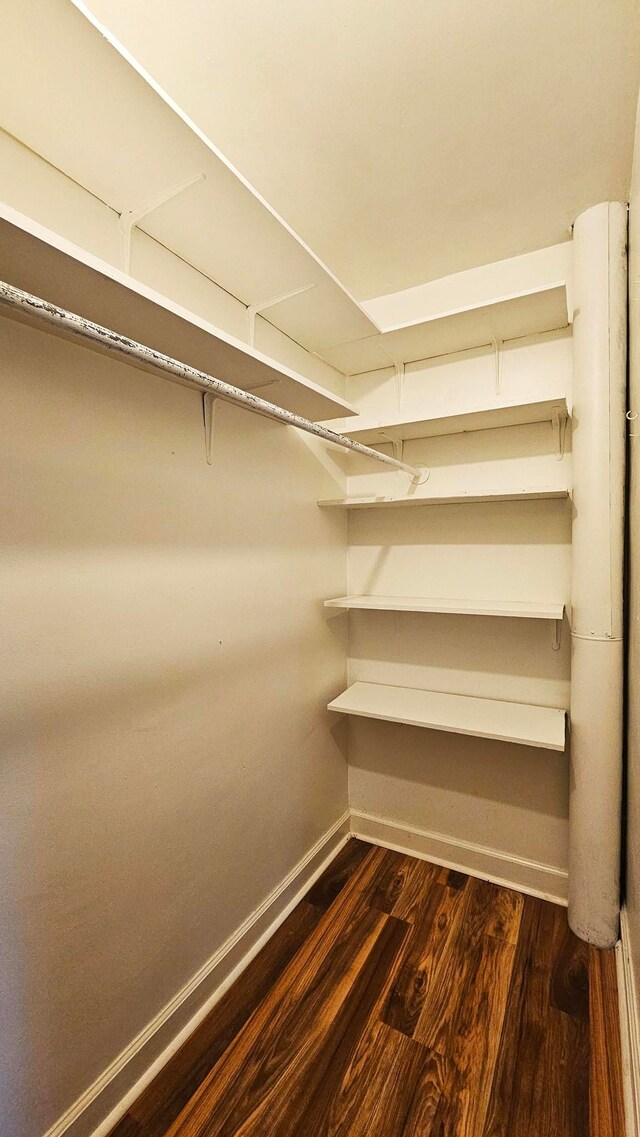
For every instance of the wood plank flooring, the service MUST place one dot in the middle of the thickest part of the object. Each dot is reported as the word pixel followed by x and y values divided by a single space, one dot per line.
pixel 400 999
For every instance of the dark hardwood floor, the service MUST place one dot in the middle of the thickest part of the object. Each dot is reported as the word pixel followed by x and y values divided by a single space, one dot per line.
pixel 400 999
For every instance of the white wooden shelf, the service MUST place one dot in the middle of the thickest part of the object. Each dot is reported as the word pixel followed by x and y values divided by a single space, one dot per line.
pixel 521 723
pixel 383 502
pixel 509 319
pixel 127 143
pixel 39 261
pixel 529 610
pixel 507 300
pixel 378 431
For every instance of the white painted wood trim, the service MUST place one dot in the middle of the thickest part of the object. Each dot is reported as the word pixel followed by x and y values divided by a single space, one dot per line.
pixel 102 1105
pixel 473 289
pixel 629 1029
pixel 545 881
pixel 377 431
pixel 521 723
pixel 525 609
pixel 382 500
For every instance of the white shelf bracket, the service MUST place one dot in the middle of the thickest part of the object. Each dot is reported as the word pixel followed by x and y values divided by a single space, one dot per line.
pixel 209 407
pixel 398 373
pixel 398 368
pixel 568 285
pixel 559 425
pixel 497 363
pixel 421 477
pixel 556 639
pixel 398 449
pixel 129 218
pixel 422 473
pixel 254 310
pixel 267 383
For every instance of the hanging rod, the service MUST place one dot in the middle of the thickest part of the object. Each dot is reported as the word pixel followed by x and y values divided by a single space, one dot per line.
pixel 77 326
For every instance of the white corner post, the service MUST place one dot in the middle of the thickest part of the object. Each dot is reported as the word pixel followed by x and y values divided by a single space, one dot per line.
pixel 599 405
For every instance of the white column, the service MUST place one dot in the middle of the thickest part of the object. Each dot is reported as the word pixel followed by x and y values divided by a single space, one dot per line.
pixel 599 404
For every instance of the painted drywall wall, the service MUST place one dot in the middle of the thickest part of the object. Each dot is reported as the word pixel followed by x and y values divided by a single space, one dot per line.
pixel 504 797
pixel 632 883
pixel 167 758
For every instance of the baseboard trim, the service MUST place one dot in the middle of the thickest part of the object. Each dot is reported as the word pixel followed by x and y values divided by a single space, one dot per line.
pixel 544 881
pixel 103 1104
pixel 629 1029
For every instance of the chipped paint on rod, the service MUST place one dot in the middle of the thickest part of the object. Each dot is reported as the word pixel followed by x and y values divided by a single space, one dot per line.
pixel 78 327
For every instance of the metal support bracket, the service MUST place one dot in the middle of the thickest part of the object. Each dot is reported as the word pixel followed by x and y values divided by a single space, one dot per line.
pixel 559 425
pixel 398 369
pixel 556 639
pixel 129 218
pixel 422 474
pixel 398 373
pixel 209 407
pixel 267 383
pixel 568 285
pixel 497 358
pixel 398 448
pixel 254 309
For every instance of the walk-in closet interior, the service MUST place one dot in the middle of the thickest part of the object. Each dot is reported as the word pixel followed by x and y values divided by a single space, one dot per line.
pixel 320 768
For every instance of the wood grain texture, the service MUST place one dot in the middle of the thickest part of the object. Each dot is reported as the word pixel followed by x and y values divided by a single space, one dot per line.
pixel 393 1083
pixel 403 1000
pixel 339 872
pixel 162 1101
pixel 605 1072
pixel 542 1065
pixel 474 1036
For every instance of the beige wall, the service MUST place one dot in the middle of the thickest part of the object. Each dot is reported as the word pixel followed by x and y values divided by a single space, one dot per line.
pixel 633 584
pixel 166 755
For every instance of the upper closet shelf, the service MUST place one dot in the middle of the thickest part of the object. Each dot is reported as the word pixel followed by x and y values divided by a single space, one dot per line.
pixel 39 261
pixel 372 431
pixel 456 714
pixel 482 307
pixel 100 119
pixel 382 501
pixel 527 609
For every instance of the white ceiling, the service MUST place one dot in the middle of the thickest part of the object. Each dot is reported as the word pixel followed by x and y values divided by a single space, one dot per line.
pixel 411 139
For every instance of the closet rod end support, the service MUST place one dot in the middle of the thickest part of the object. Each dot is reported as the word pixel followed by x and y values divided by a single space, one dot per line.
pixel 421 476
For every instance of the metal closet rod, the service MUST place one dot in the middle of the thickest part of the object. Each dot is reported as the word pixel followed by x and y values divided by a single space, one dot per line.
pixel 80 328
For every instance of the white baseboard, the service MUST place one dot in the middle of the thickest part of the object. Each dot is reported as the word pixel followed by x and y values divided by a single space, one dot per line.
pixel 629 1029
pixel 535 879
pixel 103 1104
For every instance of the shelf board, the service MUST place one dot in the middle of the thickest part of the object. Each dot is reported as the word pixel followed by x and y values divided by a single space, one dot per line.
pixel 382 502
pixel 505 319
pixel 127 143
pixel 47 265
pixel 527 609
pixel 521 723
pixel 378 431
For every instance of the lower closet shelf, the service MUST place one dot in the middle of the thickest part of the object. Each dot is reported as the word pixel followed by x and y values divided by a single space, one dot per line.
pixel 528 609
pixel 456 714
pixel 382 500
